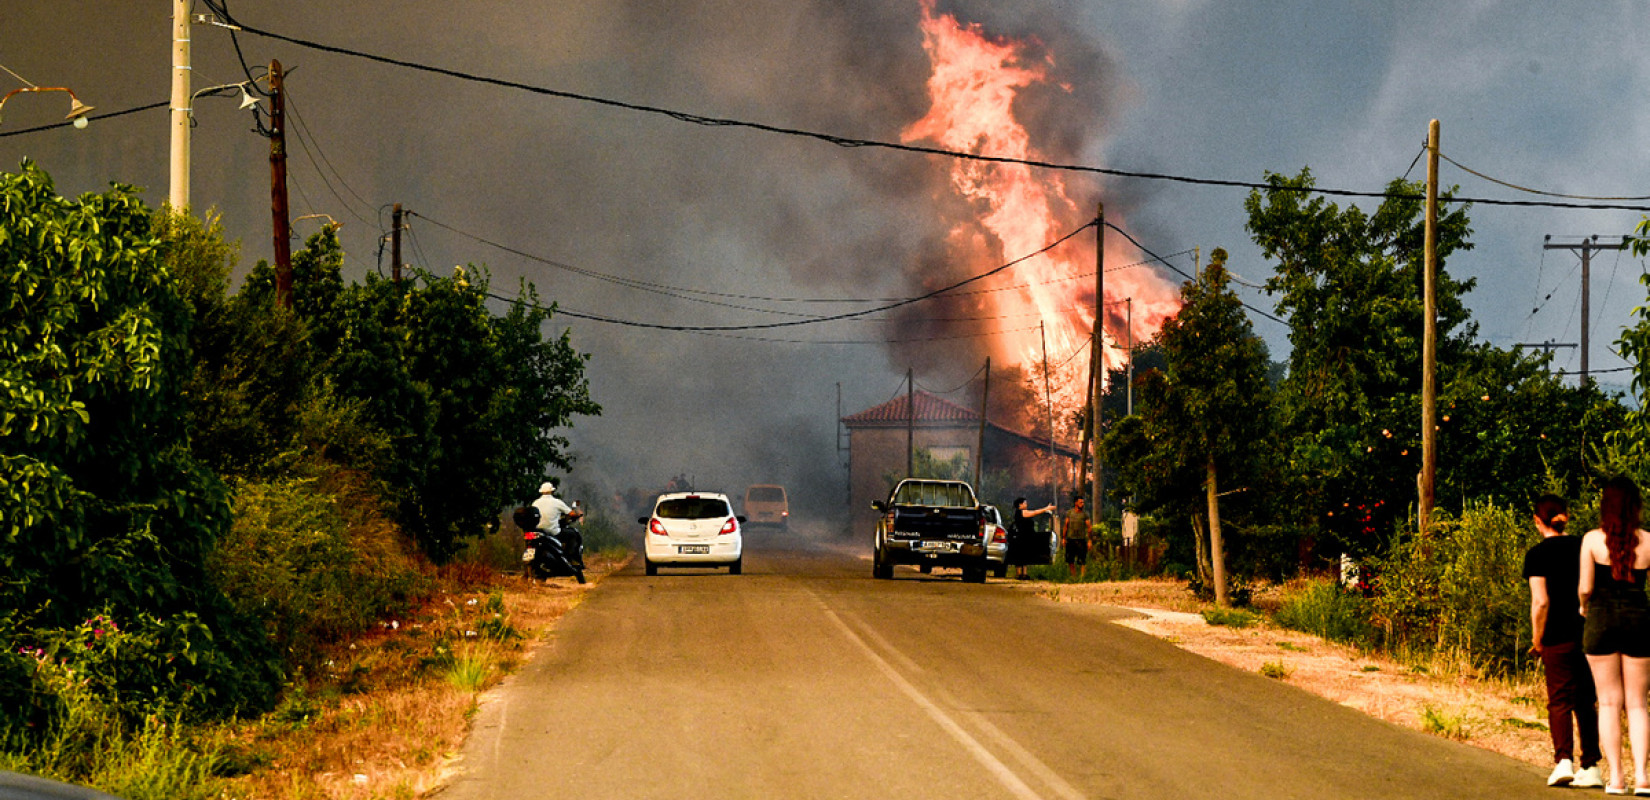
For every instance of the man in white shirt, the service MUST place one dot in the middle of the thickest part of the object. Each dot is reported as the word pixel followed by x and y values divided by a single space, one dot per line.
pixel 550 509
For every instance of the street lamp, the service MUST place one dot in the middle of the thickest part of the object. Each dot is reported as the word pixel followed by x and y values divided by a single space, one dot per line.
pixel 77 109
pixel 247 100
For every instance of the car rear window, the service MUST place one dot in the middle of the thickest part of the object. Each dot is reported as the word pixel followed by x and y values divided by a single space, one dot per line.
pixel 693 508
pixel 765 494
pixel 955 495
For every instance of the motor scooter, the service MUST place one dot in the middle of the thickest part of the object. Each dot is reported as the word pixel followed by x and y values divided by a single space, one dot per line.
pixel 549 555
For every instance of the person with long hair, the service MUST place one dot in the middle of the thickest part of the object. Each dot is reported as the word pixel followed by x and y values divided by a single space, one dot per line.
pixel 1024 545
pixel 1615 557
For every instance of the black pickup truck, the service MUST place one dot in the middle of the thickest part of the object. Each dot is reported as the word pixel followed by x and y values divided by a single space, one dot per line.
pixel 931 523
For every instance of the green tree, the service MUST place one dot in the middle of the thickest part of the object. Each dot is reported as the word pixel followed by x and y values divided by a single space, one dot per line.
pixel 1205 417
pixel 102 505
pixel 1350 284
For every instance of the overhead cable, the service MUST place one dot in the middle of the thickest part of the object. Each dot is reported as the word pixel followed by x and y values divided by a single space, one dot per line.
pixel 1143 249
pixel 93 117
pixel 1514 186
pixel 846 141
pixel 834 317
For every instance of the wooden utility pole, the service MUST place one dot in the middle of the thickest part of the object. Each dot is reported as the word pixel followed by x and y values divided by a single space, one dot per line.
pixel 1429 341
pixel 395 243
pixel 179 190
pixel 985 409
pixel 277 187
pixel 1129 332
pixel 1585 248
pixel 1082 476
pixel 910 426
pixel 1097 387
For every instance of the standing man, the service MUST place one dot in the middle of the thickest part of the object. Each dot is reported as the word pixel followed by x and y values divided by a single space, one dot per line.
pixel 1552 568
pixel 1078 531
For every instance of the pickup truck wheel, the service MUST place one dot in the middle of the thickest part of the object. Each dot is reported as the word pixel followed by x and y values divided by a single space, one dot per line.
pixel 926 569
pixel 973 575
pixel 880 570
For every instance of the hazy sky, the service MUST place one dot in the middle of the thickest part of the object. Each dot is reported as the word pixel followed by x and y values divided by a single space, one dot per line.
pixel 1539 95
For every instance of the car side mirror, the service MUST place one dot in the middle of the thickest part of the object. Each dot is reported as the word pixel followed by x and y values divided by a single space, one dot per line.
pixel 641 520
pixel 879 506
pixel 741 518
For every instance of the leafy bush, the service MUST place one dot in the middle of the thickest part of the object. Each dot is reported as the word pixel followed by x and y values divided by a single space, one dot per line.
pixel 1324 609
pixel 1459 591
pixel 294 560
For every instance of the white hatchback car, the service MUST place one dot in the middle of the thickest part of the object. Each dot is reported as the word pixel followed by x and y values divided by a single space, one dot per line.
pixel 694 529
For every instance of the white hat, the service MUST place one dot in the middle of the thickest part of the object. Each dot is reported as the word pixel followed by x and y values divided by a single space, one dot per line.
pixel 547 488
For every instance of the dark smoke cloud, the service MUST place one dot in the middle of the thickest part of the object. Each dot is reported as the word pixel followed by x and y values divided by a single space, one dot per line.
pixel 643 197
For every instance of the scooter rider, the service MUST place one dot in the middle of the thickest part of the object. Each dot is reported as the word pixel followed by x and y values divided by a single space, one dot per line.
pixel 551 509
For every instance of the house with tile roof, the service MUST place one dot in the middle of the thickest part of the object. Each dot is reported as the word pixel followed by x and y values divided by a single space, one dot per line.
pixel 877 439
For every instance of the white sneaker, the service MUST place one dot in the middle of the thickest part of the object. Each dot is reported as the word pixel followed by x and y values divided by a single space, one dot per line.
pixel 1589 778
pixel 1563 773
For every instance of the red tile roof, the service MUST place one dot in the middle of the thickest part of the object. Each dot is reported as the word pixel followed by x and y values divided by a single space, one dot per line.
pixel 929 409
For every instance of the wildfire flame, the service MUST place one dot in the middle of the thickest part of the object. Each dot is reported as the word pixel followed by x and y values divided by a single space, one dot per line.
pixel 975 82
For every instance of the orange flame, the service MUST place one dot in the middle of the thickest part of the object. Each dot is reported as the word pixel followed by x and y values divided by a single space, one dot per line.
pixel 975 82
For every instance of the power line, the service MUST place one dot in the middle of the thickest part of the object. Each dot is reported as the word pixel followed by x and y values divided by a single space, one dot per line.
pixel 846 141
pixel 1143 249
pixel 1470 171
pixel 67 123
pixel 834 317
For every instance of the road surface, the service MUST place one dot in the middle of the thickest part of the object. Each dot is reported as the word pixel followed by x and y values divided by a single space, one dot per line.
pixel 806 678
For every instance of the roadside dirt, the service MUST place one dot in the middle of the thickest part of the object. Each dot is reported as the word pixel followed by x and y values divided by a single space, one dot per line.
pixel 1507 718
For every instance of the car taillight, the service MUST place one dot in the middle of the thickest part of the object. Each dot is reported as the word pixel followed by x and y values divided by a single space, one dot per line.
pixel 730 527
pixel 999 535
pixel 656 528
pixel 529 535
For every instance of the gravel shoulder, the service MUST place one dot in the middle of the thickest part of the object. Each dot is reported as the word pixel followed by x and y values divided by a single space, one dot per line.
pixel 1504 717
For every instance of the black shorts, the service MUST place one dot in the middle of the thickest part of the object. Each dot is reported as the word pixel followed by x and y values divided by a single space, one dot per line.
pixel 1077 551
pixel 1616 626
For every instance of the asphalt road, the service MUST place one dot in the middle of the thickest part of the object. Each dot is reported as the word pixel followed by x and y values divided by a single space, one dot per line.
pixel 805 678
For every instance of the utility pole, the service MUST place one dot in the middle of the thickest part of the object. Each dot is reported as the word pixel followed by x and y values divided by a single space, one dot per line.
pixel 985 408
pixel 1097 386
pixel 910 426
pixel 395 259
pixel 1048 399
pixel 179 196
pixel 277 187
pixel 1585 248
pixel 1429 341
pixel 1546 348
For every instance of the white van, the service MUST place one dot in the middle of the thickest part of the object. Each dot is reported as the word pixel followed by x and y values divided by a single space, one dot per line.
pixel 766 504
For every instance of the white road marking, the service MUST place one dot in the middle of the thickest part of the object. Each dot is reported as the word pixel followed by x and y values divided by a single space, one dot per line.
pixel 992 764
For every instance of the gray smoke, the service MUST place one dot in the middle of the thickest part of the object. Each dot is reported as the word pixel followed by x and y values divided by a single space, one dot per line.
pixel 737 212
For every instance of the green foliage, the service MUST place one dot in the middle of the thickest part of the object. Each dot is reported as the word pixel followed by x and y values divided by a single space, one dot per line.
pixel 1230 617
pixel 1449 723
pixel 1326 610
pixel 102 506
pixel 291 561
pixel 1276 670
pixel 1459 592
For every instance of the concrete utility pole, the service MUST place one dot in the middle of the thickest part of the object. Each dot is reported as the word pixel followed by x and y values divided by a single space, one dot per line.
pixel 1097 386
pixel 277 187
pixel 985 409
pixel 910 426
pixel 179 195
pixel 1048 400
pixel 1429 341
pixel 395 248
pixel 1585 248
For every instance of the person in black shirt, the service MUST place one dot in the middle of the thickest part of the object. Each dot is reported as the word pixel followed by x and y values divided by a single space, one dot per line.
pixel 1556 622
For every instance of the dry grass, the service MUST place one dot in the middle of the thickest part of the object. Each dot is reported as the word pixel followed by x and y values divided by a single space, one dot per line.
pixel 393 705
pixel 1443 699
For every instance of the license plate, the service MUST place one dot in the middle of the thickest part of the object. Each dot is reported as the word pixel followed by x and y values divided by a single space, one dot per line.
pixel 693 549
pixel 527 555
pixel 935 547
